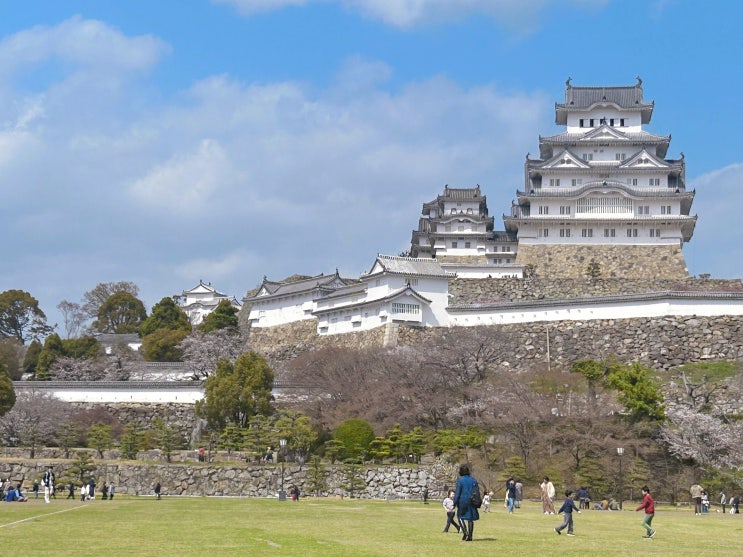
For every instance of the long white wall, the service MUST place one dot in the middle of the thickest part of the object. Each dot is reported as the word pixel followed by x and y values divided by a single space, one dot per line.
pixel 98 392
pixel 656 305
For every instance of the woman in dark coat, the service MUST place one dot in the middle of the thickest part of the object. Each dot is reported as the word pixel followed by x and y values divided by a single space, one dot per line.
pixel 467 513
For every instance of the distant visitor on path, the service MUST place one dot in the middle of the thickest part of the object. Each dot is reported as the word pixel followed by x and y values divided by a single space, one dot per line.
pixel 47 482
pixel 548 496
pixel 157 490
pixel 696 492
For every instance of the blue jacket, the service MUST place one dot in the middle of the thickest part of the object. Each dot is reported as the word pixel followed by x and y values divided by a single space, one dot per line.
pixel 568 506
pixel 511 489
pixel 462 496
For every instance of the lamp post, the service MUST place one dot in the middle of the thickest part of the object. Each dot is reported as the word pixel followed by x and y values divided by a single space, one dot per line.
pixel 282 493
pixel 620 453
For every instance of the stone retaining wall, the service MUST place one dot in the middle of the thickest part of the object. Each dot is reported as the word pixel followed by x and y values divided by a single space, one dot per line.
pixel 379 482
pixel 660 343
pixel 285 342
pixel 620 261
pixel 470 291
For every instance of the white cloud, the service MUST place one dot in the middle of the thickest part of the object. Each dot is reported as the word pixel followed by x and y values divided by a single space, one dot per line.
pixel 225 268
pixel 521 15
pixel 716 241
pixel 228 181
pixel 250 7
pixel 187 182
pixel 80 42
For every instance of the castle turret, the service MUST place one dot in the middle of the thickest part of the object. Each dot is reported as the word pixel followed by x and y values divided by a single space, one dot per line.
pixel 603 193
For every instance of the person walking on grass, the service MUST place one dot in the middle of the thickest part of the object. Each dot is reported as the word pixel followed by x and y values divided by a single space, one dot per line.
pixel 649 505
pixel 449 508
pixel 567 509
pixel 510 494
pixel 466 513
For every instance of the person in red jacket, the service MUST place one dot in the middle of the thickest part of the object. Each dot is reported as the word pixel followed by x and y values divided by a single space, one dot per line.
pixel 649 505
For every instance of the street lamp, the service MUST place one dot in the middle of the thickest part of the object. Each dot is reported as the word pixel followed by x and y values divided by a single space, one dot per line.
pixel 620 453
pixel 282 493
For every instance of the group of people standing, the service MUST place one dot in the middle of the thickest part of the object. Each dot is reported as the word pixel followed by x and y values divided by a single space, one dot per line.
pixel 700 499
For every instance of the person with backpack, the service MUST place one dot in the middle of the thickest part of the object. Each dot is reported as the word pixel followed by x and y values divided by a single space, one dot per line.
pixel 467 499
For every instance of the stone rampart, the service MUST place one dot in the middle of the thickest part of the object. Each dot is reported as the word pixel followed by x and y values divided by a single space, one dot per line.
pixel 226 479
pixel 285 342
pixel 660 343
pixel 472 291
pixel 619 261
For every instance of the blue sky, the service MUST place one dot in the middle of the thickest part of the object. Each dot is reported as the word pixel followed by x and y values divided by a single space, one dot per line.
pixel 167 142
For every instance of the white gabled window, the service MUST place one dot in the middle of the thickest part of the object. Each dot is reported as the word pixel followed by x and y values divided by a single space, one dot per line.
pixel 654 182
pixel 544 210
pixel 587 232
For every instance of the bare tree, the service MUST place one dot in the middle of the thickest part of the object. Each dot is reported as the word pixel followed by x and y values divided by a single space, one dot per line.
pixel 74 318
pixel 471 352
pixel 202 351
pixel 94 299
pixel 33 420
pixel 700 393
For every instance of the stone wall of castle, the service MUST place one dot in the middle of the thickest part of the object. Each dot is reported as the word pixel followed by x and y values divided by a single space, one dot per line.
pixel 248 480
pixel 660 343
pixel 470 291
pixel 285 342
pixel 633 262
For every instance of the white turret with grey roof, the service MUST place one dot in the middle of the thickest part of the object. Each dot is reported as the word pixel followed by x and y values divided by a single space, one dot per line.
pixel 605 180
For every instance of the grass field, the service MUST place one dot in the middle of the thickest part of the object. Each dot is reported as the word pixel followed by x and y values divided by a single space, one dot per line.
pixel 142 526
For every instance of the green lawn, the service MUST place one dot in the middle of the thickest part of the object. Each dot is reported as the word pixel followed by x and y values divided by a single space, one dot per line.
pixel 215 527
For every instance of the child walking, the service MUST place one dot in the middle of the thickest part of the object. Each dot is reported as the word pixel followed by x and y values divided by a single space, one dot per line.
pixel 567 509
pixel 649 505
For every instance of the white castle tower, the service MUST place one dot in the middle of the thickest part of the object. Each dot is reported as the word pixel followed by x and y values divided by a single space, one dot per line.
pixel 602 194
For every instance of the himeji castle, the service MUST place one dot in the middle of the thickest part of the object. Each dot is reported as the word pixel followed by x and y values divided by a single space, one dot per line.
pixel 604 192
pixel 602 201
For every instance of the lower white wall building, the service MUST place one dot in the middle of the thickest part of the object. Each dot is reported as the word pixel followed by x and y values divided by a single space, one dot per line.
pixel 395 290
